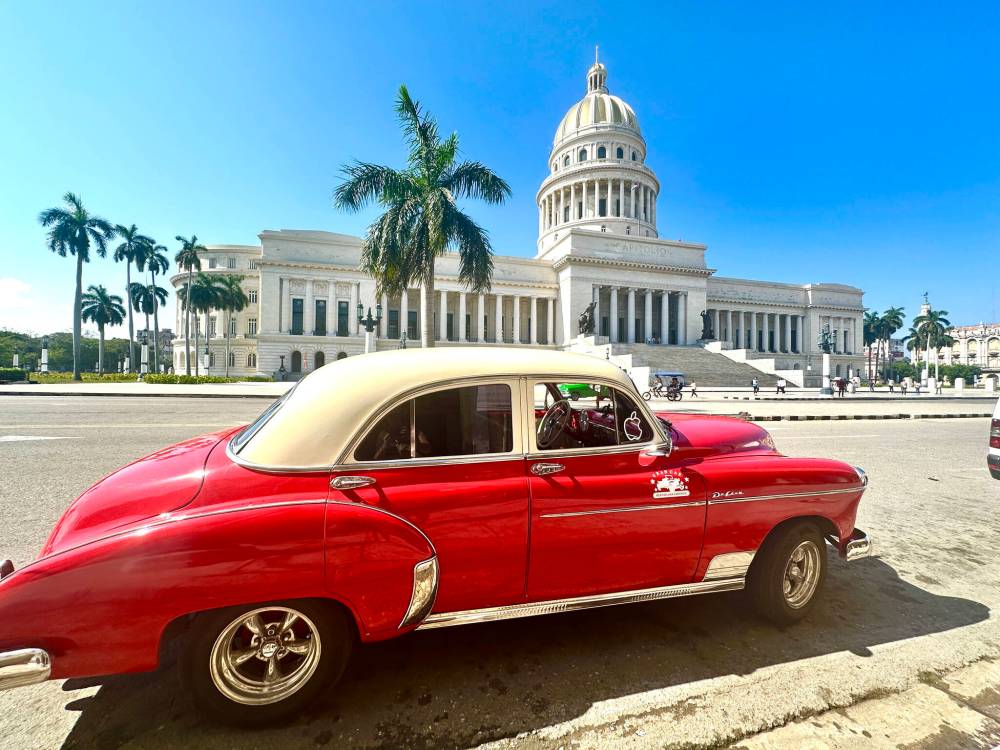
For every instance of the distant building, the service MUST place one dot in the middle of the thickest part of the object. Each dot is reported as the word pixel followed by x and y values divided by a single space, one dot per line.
pixel 974 345
pixel 166 344
pixel 894 352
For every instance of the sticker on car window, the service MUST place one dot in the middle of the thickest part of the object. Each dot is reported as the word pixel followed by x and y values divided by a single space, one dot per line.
pixel 633 428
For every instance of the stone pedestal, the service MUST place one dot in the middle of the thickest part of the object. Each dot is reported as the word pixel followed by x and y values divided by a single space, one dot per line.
pixel 931 384
pixel 990 384
pixel 826 390
pixel 959 386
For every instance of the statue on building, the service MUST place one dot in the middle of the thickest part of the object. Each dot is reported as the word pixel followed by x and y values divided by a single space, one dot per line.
pixel 586 320
pixel 825 340
pixel 707 334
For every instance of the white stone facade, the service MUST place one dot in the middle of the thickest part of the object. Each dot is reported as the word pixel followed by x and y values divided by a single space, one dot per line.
pixel 597 243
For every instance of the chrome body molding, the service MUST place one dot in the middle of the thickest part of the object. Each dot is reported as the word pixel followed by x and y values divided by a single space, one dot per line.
pixel 425 587
pixel 531 609
pixel 630 509
pixel 26 666
pixel 784 496
pixel 729 565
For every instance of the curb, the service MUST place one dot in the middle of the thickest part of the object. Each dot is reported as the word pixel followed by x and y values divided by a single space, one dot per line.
pixel 844 417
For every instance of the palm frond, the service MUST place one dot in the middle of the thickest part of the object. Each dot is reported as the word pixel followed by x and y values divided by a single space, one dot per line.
pixel 364 183
pixel 475 253
pixel 475 180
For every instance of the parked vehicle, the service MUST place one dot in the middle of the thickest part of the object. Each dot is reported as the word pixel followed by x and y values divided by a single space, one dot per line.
pixel 407 490
pixel 993 452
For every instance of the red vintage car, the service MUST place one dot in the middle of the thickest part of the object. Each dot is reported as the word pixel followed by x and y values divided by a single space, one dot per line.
pixel 414 489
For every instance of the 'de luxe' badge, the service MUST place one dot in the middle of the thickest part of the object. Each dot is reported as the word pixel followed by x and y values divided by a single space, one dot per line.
pixel 669 483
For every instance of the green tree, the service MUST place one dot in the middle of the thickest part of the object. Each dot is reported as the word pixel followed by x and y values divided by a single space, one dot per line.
pixel 871 332
pixel 420 218
pixel 201 295
pixel 103 309
pixel 73 231
pixel 129 251
pixel 232 299
pixel 154 258
pixel 891 322
pixel 933 326
pixel 187 260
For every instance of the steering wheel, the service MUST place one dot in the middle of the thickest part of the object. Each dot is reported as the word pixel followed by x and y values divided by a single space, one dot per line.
pixel 553 423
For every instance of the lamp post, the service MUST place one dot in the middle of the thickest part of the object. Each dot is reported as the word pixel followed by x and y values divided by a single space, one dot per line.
pixel 281 369
pixel 17 360
pixel 370 324
pixel 206 359
pixel 45 354
pixel 144 361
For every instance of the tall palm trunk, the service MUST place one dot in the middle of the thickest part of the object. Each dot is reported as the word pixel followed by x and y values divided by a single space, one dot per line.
pixel 187 324
pixel 100 349
pixel 131 327
pixel 197 345
pixel 226 334
pixel 77 317
pixel 149 369
pixel 156 325
pixel 427 308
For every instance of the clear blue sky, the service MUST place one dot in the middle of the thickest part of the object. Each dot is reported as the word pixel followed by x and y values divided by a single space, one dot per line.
pixel 803 142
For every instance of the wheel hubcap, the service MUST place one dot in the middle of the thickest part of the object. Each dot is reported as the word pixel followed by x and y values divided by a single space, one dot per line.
pixel 265 655
pixel 801 574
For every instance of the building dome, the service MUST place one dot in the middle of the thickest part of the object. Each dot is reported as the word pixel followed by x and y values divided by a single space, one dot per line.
pixel 597 107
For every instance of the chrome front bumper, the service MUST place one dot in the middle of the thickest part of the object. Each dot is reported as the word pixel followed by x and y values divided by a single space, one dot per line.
pixel 859 546
pixel 26 666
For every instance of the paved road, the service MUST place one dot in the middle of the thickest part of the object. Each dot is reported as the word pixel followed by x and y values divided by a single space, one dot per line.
pixel 699 670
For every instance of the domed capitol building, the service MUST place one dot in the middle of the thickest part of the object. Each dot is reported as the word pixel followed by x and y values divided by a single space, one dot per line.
pixel 655 302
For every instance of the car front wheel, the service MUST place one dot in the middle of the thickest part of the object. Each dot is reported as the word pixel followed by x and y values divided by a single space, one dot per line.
pixel 261 664
pixel 788 574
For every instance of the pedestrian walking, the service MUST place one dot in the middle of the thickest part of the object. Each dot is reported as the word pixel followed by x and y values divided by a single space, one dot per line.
pixel 871 385
pixel 902 387
pixel 937 390
pixel 780 388
pixel 756 386
pixel 694 390
pixel 892 385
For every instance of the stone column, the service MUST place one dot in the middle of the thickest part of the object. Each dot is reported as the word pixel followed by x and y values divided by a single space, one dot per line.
pixel 309 313
pixel 611 211
pixel 443 316
pixel 550 323
pixel 352 314
pixel 732 328
pixel 630 315
pixel 498 320
pixel 404 313
pixel 426 314
pixel 533 320
pixel 753 331
pixel 613 316
pixel 463 335
pixel 621 204
pixel 383 325
pixel 596 299
pixel 787 333
pixel 665 317
pixel 481 318
pixel 584 189
pixel 682 318
pixel 647 318
pixel 572 202
pixel 713 316
pixel 517 318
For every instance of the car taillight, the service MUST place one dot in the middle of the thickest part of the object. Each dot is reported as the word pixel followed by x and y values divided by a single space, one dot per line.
pixel 995 434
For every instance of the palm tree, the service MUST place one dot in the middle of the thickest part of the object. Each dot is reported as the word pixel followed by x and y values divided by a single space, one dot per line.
pixel 73 230
pixel 187 260
pixel 892 321
pixel 232 299
pixel 871 334
pixel 933 324
pixel 154 257
pixel 103 309
pixel 144 298
pixel 420 219
pixel 130 250
pixel 202 294
pixel 913 340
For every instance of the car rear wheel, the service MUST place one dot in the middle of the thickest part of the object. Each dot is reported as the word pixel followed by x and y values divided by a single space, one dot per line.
pixel 788 574
pixel 260 664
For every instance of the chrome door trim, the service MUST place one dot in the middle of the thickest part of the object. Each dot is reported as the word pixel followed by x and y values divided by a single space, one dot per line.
pixel 351 482
pixel 544 469
pixel 532 609
pixel 631 509
pixel 754 498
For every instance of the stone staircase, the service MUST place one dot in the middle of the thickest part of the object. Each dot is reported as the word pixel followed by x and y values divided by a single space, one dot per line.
pixel 698 365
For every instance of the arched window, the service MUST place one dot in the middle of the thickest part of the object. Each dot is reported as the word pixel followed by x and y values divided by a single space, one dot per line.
pixel 620 153
pixel 633 156
pixel 251 360
pixel 582 156
pixel 341 355
pixel 566 160
pixel 296 361
pixel 232 359
pixel 319 360
pixel 602 153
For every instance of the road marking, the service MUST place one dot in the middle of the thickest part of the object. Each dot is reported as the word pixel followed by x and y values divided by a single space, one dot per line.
pixel 18 438
pixel 824 437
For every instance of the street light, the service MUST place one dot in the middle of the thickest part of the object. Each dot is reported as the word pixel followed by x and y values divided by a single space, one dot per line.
pixel 45 354
pixel 370 324
pixel 207 358
pixel 281 369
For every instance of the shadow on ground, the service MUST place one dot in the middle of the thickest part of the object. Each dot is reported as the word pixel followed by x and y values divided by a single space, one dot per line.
pixel 458 687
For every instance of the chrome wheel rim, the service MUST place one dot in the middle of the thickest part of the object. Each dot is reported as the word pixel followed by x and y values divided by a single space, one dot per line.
pixel 801 575
pixel 265 655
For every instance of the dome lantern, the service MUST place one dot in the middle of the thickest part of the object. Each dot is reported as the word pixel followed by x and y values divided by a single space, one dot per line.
pixel 597 77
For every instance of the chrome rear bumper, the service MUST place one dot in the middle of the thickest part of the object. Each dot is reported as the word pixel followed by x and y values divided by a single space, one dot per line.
pixel 26 666
pixel 859 546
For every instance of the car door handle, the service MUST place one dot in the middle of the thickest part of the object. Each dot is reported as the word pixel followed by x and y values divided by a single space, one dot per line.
pixel 351 483
pixel 542 469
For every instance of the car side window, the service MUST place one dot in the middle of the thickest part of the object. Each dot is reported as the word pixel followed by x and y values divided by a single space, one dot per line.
pixel 467 421
pixel 632 425
pixel 571 416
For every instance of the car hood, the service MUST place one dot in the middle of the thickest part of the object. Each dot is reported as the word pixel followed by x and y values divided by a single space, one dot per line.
pixel 161 482
pixel 704 436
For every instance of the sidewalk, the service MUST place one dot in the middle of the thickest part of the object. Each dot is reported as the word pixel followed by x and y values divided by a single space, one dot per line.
pixel 208 390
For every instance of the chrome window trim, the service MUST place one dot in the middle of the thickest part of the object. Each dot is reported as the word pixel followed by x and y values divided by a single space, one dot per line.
pixel 272 469
pixel 552 606
pixel 346 458
pixel 267 415
pixel 630 509
pixel 754 498
pixel 402 463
